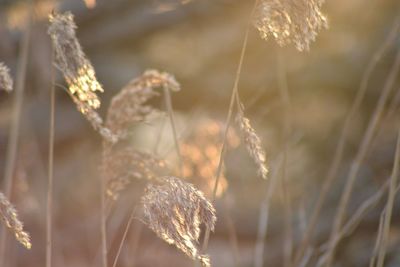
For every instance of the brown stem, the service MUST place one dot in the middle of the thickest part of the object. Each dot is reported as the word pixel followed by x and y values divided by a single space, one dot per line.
pixel 360 156
pixel 128 225
pixel 168 103
pixel 15 122
pixel 49 210
pixel 338 155
pixel 389 205
pixel 287 129
pixel 234 96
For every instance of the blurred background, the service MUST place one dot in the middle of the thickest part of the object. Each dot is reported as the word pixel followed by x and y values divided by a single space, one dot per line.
pixel 199 42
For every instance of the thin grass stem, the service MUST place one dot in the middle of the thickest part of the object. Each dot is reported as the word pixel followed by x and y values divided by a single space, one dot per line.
pixel 338 154
pixel 128 225
pixel 234 96
pixel 360 156
pixel 49 210
pixel 389 205
pixel 287 130
pixel 15 122
pixel 168 104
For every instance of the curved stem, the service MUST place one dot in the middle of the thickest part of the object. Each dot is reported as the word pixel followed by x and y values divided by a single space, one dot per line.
pixel 228 121
pixel 168 103
pixel 15 123
pixel 338 155
pixel 234 96
pixel 389 205
pixel 360 156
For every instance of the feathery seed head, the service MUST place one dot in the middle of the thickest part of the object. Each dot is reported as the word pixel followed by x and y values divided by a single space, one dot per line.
pixel 253 144
pixel 77 70
pixel 122 165
pixel 290 21
pixel 128 106
pixel 6 82
pixel 175 210
pixel 72 61
pixel 9 216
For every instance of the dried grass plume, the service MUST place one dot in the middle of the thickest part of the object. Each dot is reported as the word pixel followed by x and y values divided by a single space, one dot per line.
pixel 290 21
pixel 126 164
pixel 174 210
pixel 252 143
pixel 9 216
pixel 77 70
pixel 72 61
pixel 129 105
pixel 6 82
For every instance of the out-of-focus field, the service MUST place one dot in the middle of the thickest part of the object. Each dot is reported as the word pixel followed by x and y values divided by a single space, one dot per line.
pixel 199 42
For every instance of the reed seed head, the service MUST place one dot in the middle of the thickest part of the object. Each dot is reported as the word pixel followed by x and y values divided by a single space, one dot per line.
pixel 125 164
pixel 77 70
pixel 129 105
pixel 72 61
pixel 9 216
pixel 290 21
pixel 253 144
pixel 174 210
pixel 6 82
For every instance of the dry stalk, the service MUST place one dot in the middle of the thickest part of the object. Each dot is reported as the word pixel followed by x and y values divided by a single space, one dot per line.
pixel 378 240
pixel 360 156
pixel 264 214
pixel 234 96
pixel 355 219
pixel 128 225
pixel 82 87
pixel 13 134
pixel 287 131
pixel 49 209
pixel 389 205
pixel 338 154
pixel 168 103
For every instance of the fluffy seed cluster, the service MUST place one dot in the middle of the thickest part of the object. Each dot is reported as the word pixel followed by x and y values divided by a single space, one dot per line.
pixel 128 106
pixel 6 83
pixel 77 70
pixel 174 210
pixel 127 164
pixel 290 21
pixel 253 144
pixel 9 216
pixel 122 163
pixel 72 61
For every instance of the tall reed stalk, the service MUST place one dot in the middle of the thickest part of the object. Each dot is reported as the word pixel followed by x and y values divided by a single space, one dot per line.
pixel 389 205
pixel 360 156
pixel 15 122
pixel 49 210
pixel 287 130
pixel 234 95
pixel 339 151
pixel 264 214
pixel 168 104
